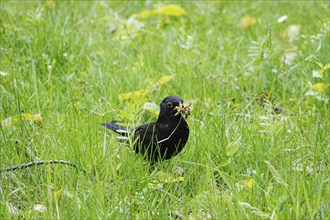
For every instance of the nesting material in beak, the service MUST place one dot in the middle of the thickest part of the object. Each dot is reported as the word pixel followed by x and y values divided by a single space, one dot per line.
pixel 184 110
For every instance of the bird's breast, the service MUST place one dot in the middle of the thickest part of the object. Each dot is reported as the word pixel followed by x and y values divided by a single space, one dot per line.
pixel 172 133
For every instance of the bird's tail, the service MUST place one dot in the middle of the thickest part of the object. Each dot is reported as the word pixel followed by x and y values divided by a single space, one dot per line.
pixel 117 127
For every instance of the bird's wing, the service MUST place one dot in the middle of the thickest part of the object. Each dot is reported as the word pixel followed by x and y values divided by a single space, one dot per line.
pixel 145 134
pixel 117 127
pixel 144 137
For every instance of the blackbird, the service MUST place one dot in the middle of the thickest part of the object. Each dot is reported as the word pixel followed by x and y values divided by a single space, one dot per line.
pixel 163 139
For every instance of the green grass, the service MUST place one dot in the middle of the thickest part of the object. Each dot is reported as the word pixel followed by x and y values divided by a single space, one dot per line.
pixel 69 61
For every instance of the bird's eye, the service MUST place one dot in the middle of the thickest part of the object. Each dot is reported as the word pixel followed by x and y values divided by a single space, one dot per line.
pixel 169 104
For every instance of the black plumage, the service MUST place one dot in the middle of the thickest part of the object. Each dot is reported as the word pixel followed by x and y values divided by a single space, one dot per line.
pixel 163 139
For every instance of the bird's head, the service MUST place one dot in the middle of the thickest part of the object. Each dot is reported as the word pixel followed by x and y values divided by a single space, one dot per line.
pixel 172 106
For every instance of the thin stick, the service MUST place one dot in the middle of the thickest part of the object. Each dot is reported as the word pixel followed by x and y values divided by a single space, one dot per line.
pixel 165 139
pixel 35 163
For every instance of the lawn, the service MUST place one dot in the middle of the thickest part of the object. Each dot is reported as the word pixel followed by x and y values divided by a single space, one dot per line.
pixel 257 73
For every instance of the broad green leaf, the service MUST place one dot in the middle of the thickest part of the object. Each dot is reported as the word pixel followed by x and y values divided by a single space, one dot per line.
pixel 25 117
pixel 168 177
pixel 129 29
pixel 293 99
pixel 320 87
pixel 58 194
pixel 246 21
pixel 151 107
pixel 164 79
pixel 171 10
pixel 118 167
pixel 132 95
pixel 250 183
pixel 224 163
pixel 164 177
pixel 326 66
pixel 29 117
pixel 50 4
pixel 145 14
pixel 246 184
pixel 322 69
pixel 319 64
pixel 233 147
pixel 130 106
pixel 125 115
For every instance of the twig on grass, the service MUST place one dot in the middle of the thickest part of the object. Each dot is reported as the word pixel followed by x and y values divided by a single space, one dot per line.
pixel 35 163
